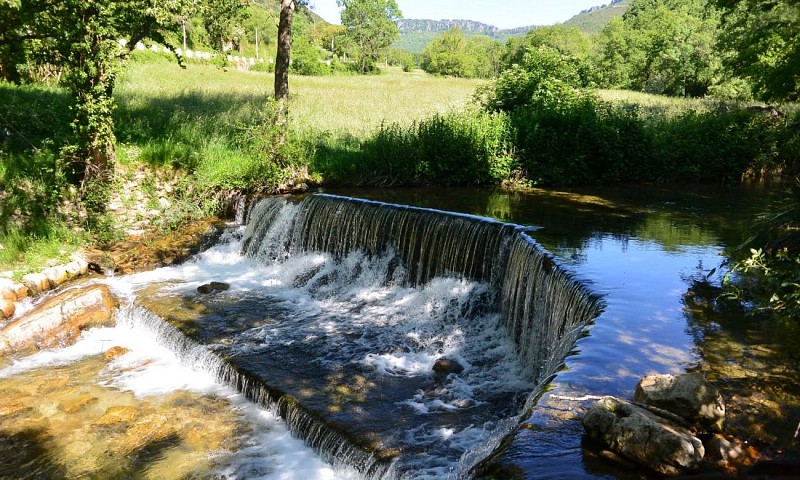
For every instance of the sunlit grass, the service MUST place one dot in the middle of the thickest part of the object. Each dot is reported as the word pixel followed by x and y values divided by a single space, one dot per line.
pixel 352 105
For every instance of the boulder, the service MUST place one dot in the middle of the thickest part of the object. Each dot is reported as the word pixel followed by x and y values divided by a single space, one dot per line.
pixel 213 287
pixel 36 283
pixel 60 320
pixel 56 275
pixel 7 308
pixel 643 437
pixel 690 396
pixel 446 366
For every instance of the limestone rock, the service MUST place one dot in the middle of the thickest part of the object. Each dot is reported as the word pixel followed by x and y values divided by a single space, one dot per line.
pixel 118 414
pixel 56 275
pixel 7 291
pixel 690 396
pixel 60 320
pixel 643 437
pixel 7 308
pixel 115 352
pixel 36 283
pixel 77 404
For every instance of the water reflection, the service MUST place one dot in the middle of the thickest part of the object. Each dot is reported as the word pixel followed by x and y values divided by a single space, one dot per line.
pixel 643 249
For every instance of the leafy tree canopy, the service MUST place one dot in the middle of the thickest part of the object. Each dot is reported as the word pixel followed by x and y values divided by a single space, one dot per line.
pixel 371 27
pixel 456 55
pixel 762 42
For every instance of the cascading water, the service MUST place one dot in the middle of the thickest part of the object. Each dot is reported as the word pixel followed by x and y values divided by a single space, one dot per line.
pixel 339 309
pixel 493 300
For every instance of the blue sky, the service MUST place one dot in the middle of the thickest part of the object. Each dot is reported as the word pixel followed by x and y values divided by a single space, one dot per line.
pixel 500 13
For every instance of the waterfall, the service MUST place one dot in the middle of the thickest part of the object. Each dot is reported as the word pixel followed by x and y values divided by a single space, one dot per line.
pixel 331 446
pixel 340 309
pixel 543 308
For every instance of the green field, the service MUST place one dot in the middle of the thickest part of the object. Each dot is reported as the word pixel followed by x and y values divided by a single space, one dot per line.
pixel 353 105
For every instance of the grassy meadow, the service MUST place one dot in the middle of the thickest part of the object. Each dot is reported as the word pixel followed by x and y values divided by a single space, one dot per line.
pixel 215 129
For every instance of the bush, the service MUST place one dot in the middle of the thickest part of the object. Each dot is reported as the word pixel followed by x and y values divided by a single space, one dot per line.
pixel 766 270
pixel 457 148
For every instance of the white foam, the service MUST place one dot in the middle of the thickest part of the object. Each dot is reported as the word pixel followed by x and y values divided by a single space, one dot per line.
pixel 149 369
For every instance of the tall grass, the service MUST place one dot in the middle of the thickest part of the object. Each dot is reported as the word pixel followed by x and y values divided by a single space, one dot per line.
pixel 200 118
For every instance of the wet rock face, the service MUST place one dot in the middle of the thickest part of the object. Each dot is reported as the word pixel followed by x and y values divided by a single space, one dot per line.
pixel 60 320
pixel 644 437
pixel 689 395
pixel 446 366
pixel 213 287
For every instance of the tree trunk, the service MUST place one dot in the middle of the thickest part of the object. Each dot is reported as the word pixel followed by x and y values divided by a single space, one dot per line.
pixel 282 59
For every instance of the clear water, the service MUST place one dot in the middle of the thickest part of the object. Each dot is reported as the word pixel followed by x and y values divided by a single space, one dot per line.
pixel 642 249
pixel 646 250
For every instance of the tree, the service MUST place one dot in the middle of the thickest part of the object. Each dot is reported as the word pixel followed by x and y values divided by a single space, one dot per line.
pixel 283 57
pixel 372 27
pixel 453 54
pixel 94 38
pixel 567 40
pixel 666 47
pixel 546 79
pixel 762 42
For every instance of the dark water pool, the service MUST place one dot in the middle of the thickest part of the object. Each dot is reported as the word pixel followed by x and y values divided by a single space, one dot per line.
pixel 646 250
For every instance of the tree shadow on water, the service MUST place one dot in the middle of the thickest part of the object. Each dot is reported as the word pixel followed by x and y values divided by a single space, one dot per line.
pixel 25 456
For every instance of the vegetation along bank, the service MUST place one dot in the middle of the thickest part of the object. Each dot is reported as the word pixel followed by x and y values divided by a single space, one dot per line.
pixel 101 139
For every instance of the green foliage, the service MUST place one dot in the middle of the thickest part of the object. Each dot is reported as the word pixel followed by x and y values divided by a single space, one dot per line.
pixel 306 58
pixel 766 269
pixel 545 79
pixel 457 148
pixel 661 46
pixel 761 39
pixel 402 58
pixel 370 27
pixel 567 40
pixel 455 55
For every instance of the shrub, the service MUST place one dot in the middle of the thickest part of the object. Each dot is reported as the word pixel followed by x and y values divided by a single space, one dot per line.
pixel 456 148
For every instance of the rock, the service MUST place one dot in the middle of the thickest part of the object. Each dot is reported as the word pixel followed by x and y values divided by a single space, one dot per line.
pixel 7 290
pixel 73 269
pixel 12 291
pixel 74 405
pixel 151 429
pixel 115 352
pixel 56 275
pixel 213 287
pixel 82 263
pixel 60 320
pixel 643 437
pixel 446 366
pixel 21 291
pixel 117 414
pixel 690 396
pixel 36 283
pixel 720 450
pixel 7 308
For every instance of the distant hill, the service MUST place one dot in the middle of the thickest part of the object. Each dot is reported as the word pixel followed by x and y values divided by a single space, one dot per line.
pixel 593 20
pixel 416 34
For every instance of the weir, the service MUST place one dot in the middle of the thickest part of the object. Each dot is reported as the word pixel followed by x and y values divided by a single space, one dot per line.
pixel 346 305
pixel 542 306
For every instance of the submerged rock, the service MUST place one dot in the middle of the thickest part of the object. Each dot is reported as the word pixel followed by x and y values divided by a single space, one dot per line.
pixel 60 320
pixel 644 437
pixel 690 396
